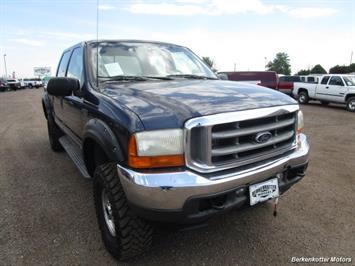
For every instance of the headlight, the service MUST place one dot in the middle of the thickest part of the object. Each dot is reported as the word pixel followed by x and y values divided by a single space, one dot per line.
pixel 159 148
pixel 300 123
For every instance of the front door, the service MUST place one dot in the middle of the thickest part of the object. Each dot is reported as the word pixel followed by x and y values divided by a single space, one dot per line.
pixel 73 104
pixel 337 89
pixel 58 100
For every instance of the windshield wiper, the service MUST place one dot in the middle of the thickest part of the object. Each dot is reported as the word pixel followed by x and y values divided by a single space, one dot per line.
pixel 123 78
pixel 159 77
pixel 133 78
pixel 190 76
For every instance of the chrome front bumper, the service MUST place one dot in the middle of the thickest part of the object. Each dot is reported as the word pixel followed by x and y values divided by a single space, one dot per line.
pixel 170 190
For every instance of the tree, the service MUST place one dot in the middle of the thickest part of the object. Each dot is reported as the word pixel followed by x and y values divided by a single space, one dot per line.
pixel 339 70
pixel 209 61
pixel 318 69
pixel 280 64
pixel 304 72
pixel 352 68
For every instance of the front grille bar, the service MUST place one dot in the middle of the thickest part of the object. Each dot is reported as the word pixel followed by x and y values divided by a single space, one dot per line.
pixel 247 131
pixel 249 147
pixel 220 141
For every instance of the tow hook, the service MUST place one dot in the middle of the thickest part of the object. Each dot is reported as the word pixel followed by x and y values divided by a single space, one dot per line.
pixel 218 203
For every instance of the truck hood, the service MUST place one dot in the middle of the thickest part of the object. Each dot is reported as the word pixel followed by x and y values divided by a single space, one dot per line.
pixel 168 104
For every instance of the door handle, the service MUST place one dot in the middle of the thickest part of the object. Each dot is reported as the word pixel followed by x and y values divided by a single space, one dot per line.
pixel 327 87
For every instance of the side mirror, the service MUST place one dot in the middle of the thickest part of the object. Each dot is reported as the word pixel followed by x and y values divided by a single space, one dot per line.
pixel 62 86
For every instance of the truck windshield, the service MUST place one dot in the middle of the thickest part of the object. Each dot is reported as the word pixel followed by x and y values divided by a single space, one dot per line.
pixel 349 80
pixel 140 59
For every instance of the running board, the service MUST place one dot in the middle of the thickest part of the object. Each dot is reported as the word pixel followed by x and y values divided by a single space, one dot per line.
pixel 74 153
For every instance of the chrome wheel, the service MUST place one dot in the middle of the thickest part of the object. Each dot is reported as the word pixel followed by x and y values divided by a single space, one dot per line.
pixel 351 105
pixel 107 210
pixel 302 98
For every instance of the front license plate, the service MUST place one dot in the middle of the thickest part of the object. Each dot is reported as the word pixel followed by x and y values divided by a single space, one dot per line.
pixel 263 191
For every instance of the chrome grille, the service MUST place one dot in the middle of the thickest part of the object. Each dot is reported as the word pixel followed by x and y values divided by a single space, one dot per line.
pixel 228 140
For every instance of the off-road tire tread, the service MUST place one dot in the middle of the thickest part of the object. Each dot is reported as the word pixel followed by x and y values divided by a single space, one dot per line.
pixel 133 235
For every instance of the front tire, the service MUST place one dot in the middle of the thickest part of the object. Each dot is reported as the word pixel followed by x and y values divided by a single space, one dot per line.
pixel 350 104
pixel 124 234
pixel 303 97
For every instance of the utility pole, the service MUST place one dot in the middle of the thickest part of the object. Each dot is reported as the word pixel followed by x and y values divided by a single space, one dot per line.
pixel 5 66
pixel 235 67
pixel 265 62
pixel 351 57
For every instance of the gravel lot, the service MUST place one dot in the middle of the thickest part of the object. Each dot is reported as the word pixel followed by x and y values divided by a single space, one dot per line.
pixel 47 213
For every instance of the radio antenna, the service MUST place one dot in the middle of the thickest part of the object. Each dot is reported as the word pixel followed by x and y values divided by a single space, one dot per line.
pixel 97 43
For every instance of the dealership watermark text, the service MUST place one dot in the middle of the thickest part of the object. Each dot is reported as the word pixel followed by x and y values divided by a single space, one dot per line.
pixel 321 259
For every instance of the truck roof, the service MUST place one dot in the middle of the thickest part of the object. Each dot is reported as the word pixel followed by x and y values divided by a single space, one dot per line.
pixel 118 40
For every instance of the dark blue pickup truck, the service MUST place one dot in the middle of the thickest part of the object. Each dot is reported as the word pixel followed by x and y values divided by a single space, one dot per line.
pixel 163 139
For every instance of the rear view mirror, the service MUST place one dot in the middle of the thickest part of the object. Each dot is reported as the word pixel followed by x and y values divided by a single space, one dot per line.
pixel 62 86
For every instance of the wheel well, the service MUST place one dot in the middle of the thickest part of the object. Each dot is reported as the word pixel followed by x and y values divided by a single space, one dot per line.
pixel 94 155
pixel 301 90
pixel 349 96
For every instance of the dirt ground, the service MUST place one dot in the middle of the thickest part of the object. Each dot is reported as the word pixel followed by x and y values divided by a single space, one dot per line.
pixel 47 213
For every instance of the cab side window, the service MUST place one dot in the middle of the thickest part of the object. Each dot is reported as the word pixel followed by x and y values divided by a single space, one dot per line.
pixel 325 80
pixel 63 64
pixel 336 80
pixel 75 69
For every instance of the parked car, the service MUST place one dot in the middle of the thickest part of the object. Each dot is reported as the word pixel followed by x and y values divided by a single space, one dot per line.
pixel 13 84
pixel 285 83
pixel 3 85
pixel 263 78
pixel 330 88
pixel 164 140
pixel 22 82
pixel 33 82
pixel 310 78
pixel 45 81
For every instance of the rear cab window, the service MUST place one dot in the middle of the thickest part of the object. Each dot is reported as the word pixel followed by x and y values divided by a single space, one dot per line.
pixel 325 80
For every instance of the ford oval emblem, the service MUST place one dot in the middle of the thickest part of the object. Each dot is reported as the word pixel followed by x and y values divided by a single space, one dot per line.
pixel 262 137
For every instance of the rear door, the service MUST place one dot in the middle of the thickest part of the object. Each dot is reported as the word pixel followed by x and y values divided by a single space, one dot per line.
pixel 322 91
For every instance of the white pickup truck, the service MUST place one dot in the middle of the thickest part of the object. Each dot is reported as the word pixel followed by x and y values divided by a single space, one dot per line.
pixel 329 88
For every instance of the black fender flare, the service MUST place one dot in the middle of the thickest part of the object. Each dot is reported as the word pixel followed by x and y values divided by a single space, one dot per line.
pixel 98 131
pixel 46 105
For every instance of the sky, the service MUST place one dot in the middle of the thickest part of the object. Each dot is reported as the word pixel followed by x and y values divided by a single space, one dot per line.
pixel 234 33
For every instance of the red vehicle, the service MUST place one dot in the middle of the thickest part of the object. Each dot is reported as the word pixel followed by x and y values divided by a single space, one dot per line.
pixel 263 78
pixel 3 85
pixel 285 84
